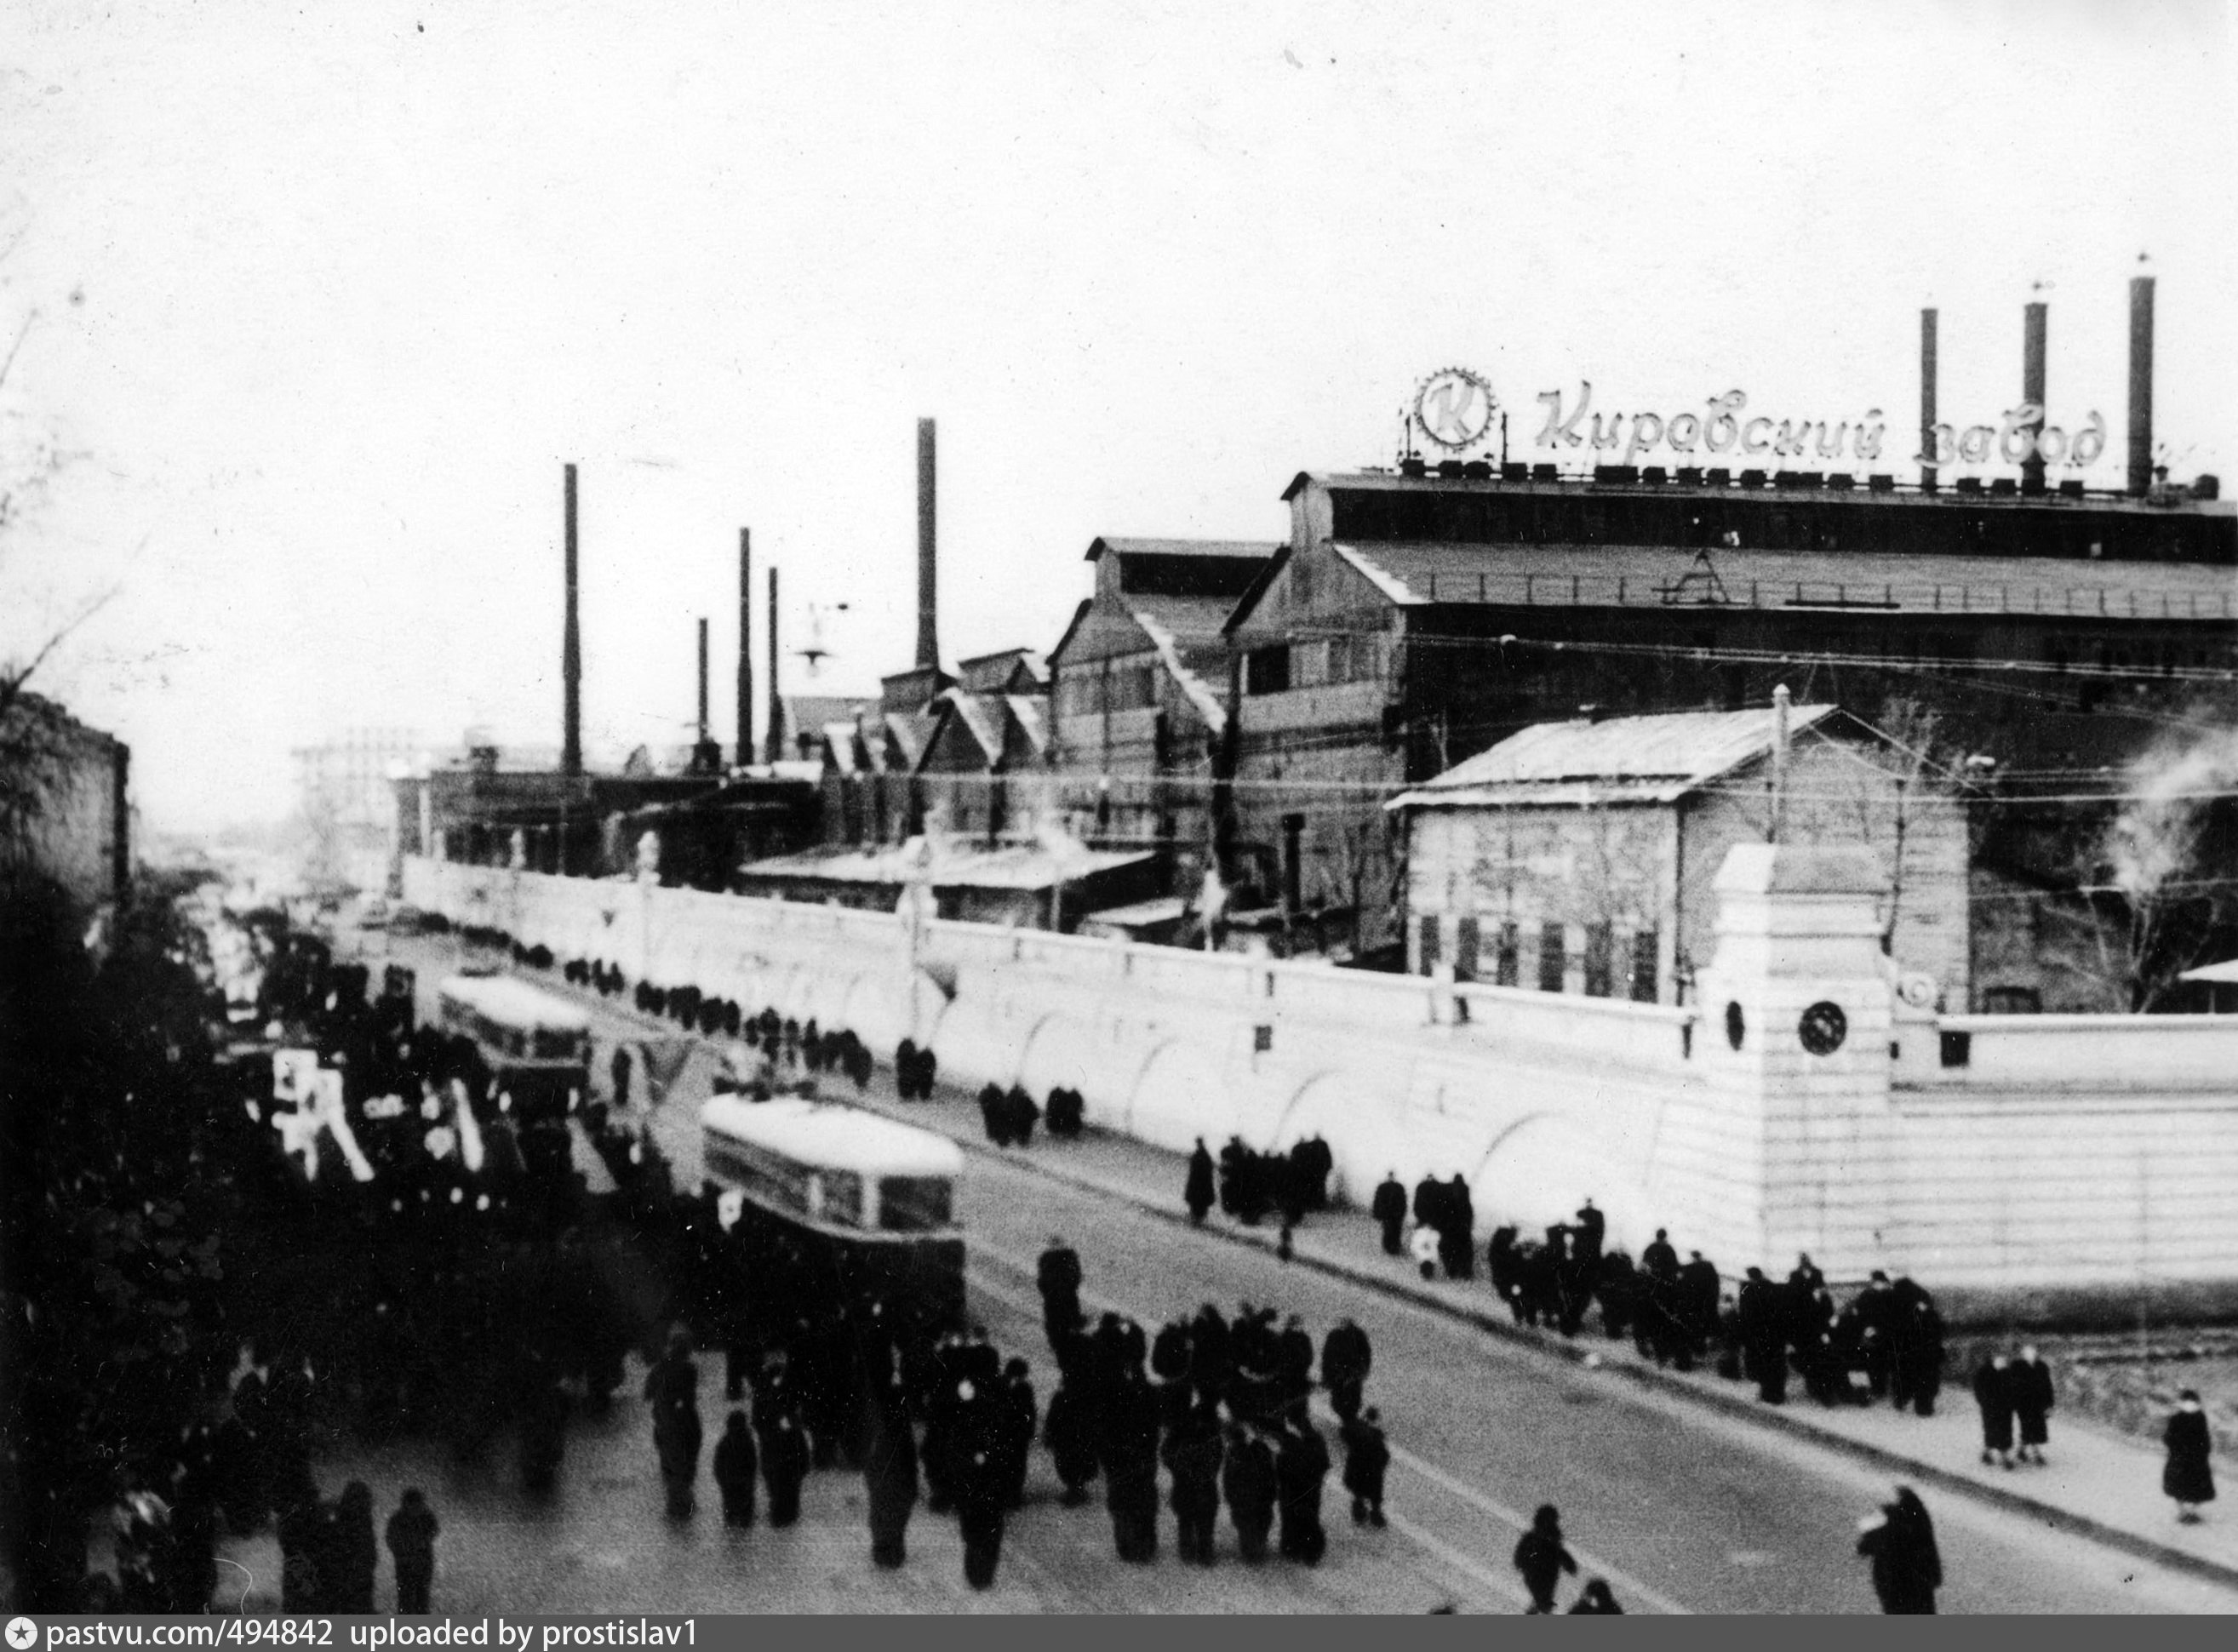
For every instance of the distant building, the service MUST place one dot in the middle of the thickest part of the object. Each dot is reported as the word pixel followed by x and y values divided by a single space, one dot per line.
pixel 1580 856
pixel 344 799
pixel 1417 617
pixel 65 808
pixel 1140 683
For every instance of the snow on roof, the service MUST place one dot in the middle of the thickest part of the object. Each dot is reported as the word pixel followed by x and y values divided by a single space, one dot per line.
pixel 1168 646
pixel 830 1136
pixel 515 1003
pixel 1638 759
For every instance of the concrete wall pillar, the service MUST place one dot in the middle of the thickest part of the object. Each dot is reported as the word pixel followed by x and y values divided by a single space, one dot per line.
pixel 1796 1011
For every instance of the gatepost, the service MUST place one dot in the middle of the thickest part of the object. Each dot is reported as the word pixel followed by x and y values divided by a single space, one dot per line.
pixel 1793 1044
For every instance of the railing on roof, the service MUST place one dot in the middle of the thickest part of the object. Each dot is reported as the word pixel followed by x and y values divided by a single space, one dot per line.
pixel 1689 591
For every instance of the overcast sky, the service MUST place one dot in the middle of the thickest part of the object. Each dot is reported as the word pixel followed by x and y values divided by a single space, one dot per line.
pixel 318 300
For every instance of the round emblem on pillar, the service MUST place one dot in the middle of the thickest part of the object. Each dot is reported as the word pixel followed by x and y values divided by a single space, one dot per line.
pixel 1823 1028
pixel 1736 1025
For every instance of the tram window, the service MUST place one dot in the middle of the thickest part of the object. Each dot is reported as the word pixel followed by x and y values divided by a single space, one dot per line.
pixel 843 1197
pixel 556 1046
pixel 908 1203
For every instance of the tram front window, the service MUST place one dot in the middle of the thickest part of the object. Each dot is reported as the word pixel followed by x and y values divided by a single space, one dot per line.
pixel 907 1204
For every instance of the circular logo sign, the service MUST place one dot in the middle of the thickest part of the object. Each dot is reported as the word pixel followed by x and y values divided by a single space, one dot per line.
pixel 1454 407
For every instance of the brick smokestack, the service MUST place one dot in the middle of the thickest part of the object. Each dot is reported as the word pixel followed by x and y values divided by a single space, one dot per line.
pixel 571 657
pixel 2141 385
pixel 776 737
pixel 2033 328
pixel 745 646
pixel 1927 396
pixel 703 680
pixel 928 630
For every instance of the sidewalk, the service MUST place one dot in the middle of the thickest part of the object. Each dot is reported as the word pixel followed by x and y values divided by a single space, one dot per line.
pixel 2097 1483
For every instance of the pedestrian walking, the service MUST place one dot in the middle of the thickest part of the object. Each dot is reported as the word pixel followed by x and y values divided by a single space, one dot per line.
pixel 784 1465
pixel 1347 1359
pixel 890 1479
pixel 982 1490
pixel 1302 1464
pixel 357 1556
pixel 1900 1541
pixel 1993 1393
pixel 1248 1482
pixel 2033 1396
pixel 677 1437
pixel 1198 1193
pixel 620 1071
pixel 1388 1207
pixel 1193 1456
pixel 1541 1556
pixel 1366 1459
pixel 412 1532
pixel 735 1465
pixel 2187 1478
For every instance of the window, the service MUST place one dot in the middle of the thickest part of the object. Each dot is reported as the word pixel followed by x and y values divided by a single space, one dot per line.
pixel 1465 940
pixel 910 1204
pixel 1506 968
pixel 1646 947
pixel 1266 670
pixel 1429 933
pixel 1600 960
pixel 1553 961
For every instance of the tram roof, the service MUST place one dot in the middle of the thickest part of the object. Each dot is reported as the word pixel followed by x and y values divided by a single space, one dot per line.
pixel 835 1137
pixel 516 1003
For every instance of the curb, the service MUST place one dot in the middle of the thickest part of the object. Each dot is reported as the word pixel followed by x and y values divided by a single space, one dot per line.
pixel 1653 1377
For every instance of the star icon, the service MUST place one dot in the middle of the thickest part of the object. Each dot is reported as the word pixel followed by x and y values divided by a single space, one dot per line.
pixel 23 1634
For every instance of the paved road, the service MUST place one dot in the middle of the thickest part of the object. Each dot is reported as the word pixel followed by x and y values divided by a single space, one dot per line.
pixel 1681 1508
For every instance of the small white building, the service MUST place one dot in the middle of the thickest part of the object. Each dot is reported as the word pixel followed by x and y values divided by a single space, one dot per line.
pixel 1580 856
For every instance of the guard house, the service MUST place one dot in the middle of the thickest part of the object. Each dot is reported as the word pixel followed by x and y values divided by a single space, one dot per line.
pixel 1581 856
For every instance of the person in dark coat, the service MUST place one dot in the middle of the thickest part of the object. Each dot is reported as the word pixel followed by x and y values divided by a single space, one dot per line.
pixel 1764 1337
pixel 737 1464
pixel 620 1068
pixel 357 1555
pixel 1907 1567
pixel 1016 1416
pixel 1698 1290
pixel 1071 1432
pixel 1192 1455
pixel 1595 1600
pixel 1293 1364
pixel 1248 1481
pixel 980 1482
pixel 1993 1393
pixel 1200 1192
pixel 1388 1207
pixel 2187 1480
pixel 784 1465
pixel 1366 1459
pixel 1302 1464
pixel 1057 1276
pixel 1916 1378
pixel 1130 1464
pixel 2033 1395
pixel 1347 1358
pixel 676 1439
pixel 889 1477
pixel 1020 1115
pixel 412 1532
pixel 1541 1557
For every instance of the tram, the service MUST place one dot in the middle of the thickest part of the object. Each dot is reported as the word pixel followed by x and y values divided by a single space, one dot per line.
pixel 537 1047
pixel 867 1205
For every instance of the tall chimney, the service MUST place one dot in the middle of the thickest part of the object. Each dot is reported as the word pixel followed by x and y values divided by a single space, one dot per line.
pixel 2032 336
pixel 2141 385
pixel 571 657
pixel 703 680
pixel 745 646
pixel 776 702
pixel 928 633
pixel 1927 396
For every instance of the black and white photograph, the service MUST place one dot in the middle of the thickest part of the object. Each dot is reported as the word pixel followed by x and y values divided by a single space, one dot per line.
pixel 1342 807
